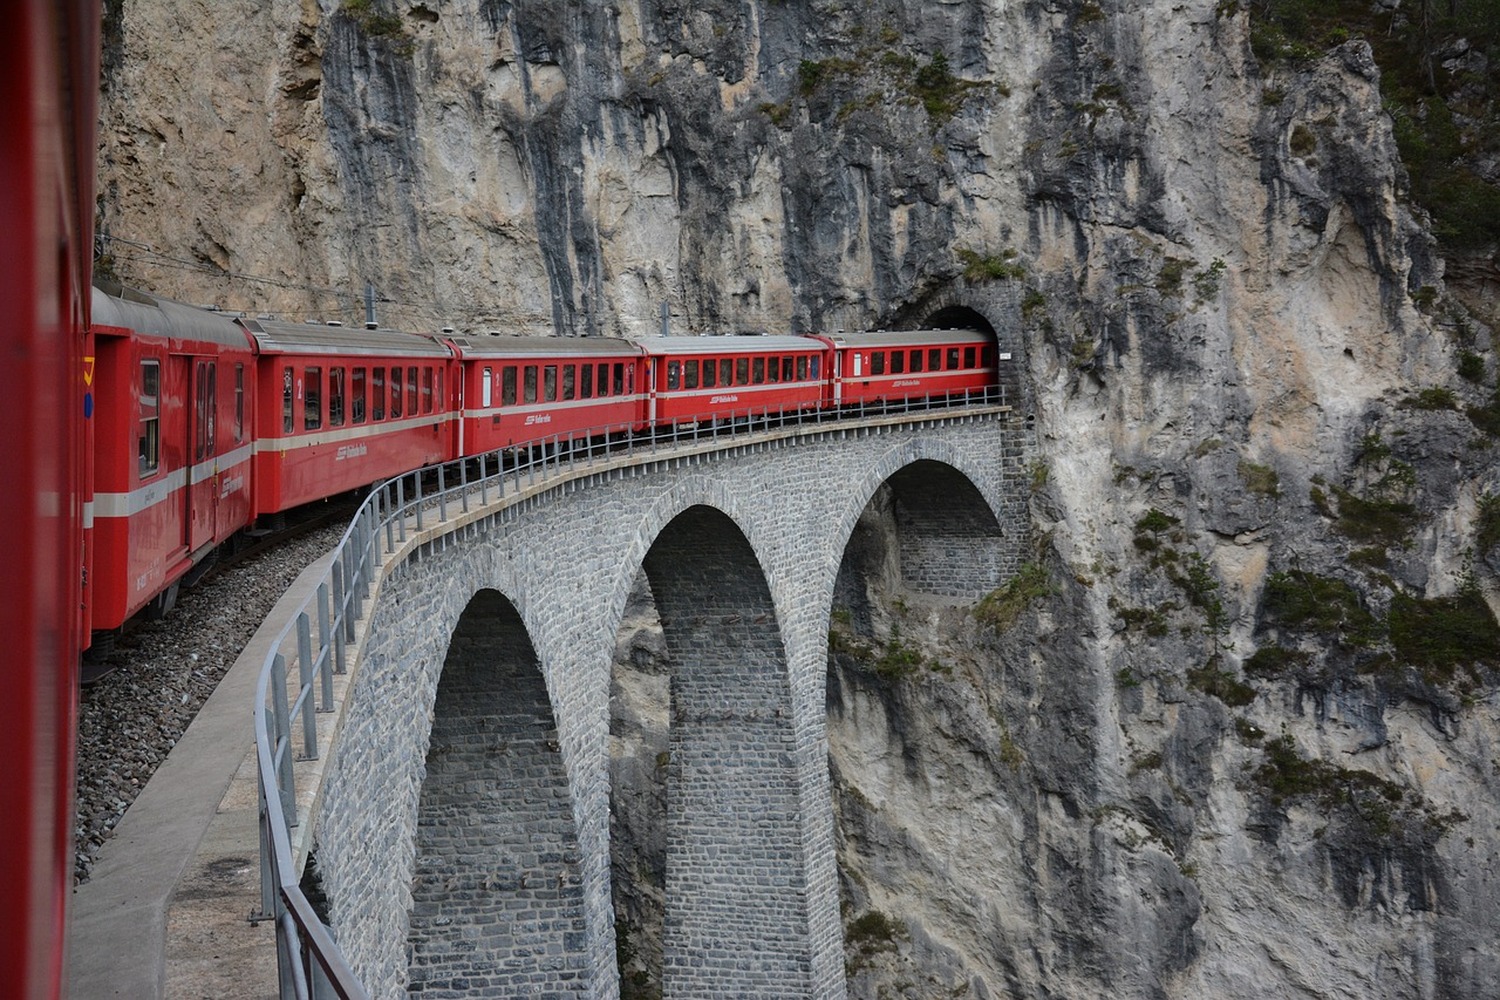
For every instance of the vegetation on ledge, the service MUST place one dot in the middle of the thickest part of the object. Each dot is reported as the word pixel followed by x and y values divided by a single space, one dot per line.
pixel 1440 80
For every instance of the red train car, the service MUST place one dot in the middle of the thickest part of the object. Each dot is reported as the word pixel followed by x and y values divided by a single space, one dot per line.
pixel 520 390
pixel 172 447
pixel 896 365
pixel 701 379
pixel 48 76
pixel 339 408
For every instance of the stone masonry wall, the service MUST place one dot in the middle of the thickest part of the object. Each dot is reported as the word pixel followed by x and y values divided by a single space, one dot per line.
pixel 497 905
pixel 736 916
pixel 566 560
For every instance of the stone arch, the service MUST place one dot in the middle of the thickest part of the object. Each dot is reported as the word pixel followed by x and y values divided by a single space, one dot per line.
pixel 497 895
pixel 951 480
pixel 735 902
pixel 994 308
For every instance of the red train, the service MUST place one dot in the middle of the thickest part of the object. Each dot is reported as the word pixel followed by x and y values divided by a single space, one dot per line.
pixel 207 423
pixel 48 78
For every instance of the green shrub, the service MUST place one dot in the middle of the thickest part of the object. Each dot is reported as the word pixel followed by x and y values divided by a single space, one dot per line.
pixel 988 267
pixel 1301 601
pixel 1439 636
pixel 1261 479
pixel 1223 685
pixel 1000 608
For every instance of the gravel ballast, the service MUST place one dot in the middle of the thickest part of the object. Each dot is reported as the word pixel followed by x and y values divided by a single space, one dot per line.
pixel 130 720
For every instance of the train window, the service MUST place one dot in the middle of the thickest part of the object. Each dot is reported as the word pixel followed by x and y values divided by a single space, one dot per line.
pixel 585 381
pixel 898 362
pixel 287 384
pixel 239 403
pixel 773 370
pixel 786 369
pixel 986 356
pixel 312 398
pixel 549 383
pixel 396 393
pixel 690 374
pixel 377 393
pixel 726 372
pixel 335 397
pixel 757 371
pixel 802 368
pixel 426 390
pixel 935 359
pixel 149 433
pixel 813 367
pixel 411 391
pixel 508 386
pixel 530 396
pixel 486 387
pixel 916 361
pixel 674 374
pixel 438 395
pixel 710 370
pixel 569 375
pixel 952 360
pixel 620 379
pixel 968 357
pixel 742 371
pixel 877 363
pixel 357 395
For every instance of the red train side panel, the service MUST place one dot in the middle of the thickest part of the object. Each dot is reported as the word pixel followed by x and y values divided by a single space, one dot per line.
pixel 896 365
pixel 48 74
pixel 172 445
pixel 522 390
pixel 340 408
pixel 697 379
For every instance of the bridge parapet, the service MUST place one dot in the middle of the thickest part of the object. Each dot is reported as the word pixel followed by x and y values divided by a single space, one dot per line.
pixel 561 539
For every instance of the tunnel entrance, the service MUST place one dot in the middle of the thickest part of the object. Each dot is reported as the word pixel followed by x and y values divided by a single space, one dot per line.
pixel 959 318
pixel 497 898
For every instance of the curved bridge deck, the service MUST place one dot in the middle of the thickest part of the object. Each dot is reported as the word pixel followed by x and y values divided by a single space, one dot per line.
pixel 460 796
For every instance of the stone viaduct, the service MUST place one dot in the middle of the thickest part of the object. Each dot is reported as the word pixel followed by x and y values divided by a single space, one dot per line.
pixel 464 831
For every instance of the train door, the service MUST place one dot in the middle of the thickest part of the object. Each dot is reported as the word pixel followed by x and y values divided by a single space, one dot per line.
pixel 650 392
pixel 202 478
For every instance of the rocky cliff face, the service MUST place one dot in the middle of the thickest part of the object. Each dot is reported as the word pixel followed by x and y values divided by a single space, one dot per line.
pixel 1235 733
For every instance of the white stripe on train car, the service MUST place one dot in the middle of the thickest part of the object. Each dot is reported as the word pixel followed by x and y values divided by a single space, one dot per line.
pixel 350 433
pixel 234 465
pixel 525 409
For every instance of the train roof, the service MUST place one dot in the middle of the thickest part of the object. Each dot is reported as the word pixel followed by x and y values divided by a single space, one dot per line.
pixel 909 338
pixel 727 344
pixel 275 337
pixel 562 347
pixel 116 305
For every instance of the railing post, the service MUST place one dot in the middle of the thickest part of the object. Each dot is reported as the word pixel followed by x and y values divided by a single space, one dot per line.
pixel 305 667
pixel 268 894
pixel 343 619
pixel 282 740
pixel 325 659
pixel 400 512
pixel 442 494
pixel 417 497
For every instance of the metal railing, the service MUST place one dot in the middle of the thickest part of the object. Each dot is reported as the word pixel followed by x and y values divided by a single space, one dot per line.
pixel 309 961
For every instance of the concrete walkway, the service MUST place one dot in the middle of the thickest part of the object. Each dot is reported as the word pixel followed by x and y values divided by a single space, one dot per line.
pixel 166 913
